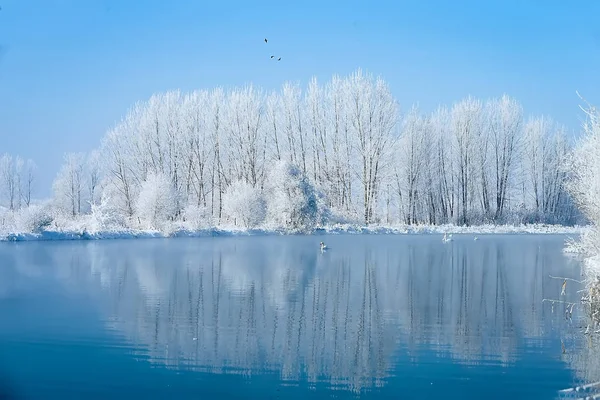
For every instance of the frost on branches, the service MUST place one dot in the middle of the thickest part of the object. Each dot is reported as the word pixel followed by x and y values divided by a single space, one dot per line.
pixel 291 199
pixel 300 157
pixel 585 187
pixel 156 203
pixel 244 205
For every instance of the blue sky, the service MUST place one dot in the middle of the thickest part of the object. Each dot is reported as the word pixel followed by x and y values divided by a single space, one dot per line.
pixel 70 69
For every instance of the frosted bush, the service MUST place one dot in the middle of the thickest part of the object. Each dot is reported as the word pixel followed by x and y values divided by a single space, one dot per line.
pixel 196 217
pixel 6 220
pixel 324 213
pixel 291 199
pixel 244 204
pixel 106 216
pixel 33 219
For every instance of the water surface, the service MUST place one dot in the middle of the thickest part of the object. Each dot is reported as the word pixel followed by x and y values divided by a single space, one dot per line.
pixel 383 316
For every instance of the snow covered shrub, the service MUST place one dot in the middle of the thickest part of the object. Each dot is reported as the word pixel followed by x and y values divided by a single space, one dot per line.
pixel 113 190
pixel 325 214
pixel 291 199
pixel 33 219
pixel 106 216
pixel 196 217
pixel 6 220
pixel 157 202
pixel 244 204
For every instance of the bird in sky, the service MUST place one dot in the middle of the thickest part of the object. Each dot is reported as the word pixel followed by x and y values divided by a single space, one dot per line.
pixel 279 59
pixel 266 40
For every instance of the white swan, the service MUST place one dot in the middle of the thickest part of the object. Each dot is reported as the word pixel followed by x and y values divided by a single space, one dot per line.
pixel 447 237
pixel 323 246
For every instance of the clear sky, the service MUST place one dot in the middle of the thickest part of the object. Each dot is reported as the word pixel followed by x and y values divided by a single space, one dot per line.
pixel 70 69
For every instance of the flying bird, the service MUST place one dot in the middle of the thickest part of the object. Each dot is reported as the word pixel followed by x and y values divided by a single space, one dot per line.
pixel 272 56
pixel 266 40
pixel 279 59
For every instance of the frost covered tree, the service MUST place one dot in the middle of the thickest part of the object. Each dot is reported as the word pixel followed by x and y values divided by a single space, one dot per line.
pixel 246 142
pixel 505 118
pixel 244 204
pixel 28 182
pixel 293 125
pixel 156 203
pixel 546 149
pixel 123 153
pixel 444 163
pixel 585 169
pixel 373 115
pixel 93 177
pixel 8 183
pixel 291 200
pixel 466 126
pixel 16 181
pixel 465 163
pixel 69 186
pixel 410 158
pixel 338 172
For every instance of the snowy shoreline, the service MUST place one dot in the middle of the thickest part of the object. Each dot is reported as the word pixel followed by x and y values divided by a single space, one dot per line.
pixel 50 235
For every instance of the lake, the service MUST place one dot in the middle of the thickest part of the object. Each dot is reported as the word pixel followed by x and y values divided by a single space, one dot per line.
pixel 374 316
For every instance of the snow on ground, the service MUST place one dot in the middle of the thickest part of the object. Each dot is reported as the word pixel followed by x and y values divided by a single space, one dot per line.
pixel 67 234
pixel 440 229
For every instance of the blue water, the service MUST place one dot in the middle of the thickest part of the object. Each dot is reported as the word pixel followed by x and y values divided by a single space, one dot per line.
pixel 272 317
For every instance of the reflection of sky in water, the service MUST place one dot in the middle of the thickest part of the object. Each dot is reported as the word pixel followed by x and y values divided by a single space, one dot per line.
pixel 392 312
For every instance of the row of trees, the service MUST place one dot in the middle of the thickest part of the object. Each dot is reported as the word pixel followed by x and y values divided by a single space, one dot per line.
pixel 16 181
pixel 358 157
pixel 481 162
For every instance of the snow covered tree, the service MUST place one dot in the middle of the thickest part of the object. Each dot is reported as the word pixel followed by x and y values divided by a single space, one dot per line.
pixel 409 164
pixel 28 182
pixel 69 186
pixel 339 186
pixel 461 164
pixel 546 149
pixel 373 115
pixel 584 184
pixel 246 150
pixel 93 177
pixel 8 181
pixel 157 201
pixel 18 181
pixel 466 125
pixel 244 204
pixel 505 119
pixel 291 199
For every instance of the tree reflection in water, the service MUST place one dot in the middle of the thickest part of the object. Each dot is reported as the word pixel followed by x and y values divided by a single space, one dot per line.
pixel 346 317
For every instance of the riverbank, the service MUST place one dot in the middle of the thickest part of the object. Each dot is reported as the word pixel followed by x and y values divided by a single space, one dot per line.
pixel 69 234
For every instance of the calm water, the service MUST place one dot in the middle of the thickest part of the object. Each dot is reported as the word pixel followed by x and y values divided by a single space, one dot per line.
pixel 273 317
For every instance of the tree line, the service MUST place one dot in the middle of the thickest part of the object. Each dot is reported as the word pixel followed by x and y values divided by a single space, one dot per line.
pixel 367 159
